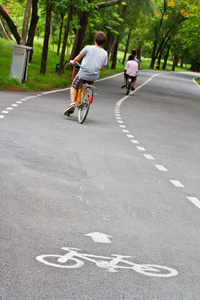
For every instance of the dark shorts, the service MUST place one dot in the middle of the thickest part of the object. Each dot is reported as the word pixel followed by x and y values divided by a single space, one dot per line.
pixel 78 82
pixel 132 77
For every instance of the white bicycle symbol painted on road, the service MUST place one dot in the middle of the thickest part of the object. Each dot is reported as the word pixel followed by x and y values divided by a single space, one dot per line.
pixel 73 259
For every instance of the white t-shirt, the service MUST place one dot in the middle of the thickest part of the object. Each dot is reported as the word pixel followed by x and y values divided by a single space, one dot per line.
pixel 131 68
pixel 94 58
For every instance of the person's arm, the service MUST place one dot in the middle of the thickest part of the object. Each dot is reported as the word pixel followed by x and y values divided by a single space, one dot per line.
pixel 76 59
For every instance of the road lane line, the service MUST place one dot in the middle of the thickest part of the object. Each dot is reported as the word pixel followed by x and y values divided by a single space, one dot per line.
pixel 141 148
pixel 134 141
pixel 129 135
pixel 148 156
pixel 160 167
pixel 176 183
pixel 195 201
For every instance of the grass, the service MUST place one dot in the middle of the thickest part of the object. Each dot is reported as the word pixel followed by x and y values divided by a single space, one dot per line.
pixel 38 82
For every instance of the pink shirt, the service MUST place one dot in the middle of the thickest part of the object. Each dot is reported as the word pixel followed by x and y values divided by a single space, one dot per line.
pixel 131 68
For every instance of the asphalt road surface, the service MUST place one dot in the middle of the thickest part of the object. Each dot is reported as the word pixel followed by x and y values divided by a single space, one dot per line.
pixel 105 210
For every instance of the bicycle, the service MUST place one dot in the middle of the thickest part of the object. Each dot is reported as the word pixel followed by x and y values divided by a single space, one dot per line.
pixel 84 99
pixel 128 85
pixel 74 259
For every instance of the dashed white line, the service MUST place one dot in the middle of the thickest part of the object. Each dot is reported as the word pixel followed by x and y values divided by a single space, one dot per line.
pixel 134 141
pixel 130 136
pixel 5 112
pixel 1 116
pixel 148 156
pixel 141 148
pixel 176 183
pixel 160 167
pixel 195 201
pixel 14 105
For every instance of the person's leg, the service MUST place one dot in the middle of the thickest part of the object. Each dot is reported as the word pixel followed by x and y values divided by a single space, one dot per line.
pixel 133 82
pixel 73 94
pixel 125 80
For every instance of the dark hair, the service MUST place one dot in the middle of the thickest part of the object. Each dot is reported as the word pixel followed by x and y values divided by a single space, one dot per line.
pixel 131 57
pixel 100 38
pixel 134 52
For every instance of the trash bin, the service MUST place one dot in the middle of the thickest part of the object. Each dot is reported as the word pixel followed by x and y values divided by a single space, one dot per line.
pixel 19 64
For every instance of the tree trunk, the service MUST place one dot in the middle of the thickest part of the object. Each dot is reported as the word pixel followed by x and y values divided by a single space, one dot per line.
pixel 60 69
pixel 46 38
pixel 153 57
pixel 160 54
pixel 33 26
pixel 11 25
pixel 126 49
pixel 26 22
pixel 166 57
pixel 80 36
pixel 60 33
pixel 175 60
pixel 114 58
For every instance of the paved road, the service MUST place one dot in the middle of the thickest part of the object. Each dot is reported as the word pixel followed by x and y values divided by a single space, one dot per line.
pixel 126 182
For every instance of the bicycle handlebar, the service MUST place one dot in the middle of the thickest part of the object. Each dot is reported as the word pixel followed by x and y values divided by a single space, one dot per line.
pixel 75 65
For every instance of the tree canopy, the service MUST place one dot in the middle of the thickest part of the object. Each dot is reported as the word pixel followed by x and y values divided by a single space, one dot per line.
pixel 158 29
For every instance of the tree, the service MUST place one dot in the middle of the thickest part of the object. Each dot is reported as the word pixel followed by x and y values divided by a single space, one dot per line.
pixel 84 20
pixel 46 38
pixel 26 22
pixel 12 26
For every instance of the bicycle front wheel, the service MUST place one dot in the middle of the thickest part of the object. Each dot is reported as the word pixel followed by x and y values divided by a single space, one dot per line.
pixel 84 105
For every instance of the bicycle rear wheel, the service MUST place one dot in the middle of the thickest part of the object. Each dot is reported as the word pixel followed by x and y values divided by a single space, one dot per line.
pixel 128 86
pixel 84 105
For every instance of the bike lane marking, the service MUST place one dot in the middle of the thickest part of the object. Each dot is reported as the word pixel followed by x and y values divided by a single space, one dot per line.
pixel 161 168
pixel 112 265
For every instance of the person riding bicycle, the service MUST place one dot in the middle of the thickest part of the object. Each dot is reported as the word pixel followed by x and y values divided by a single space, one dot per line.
pixel 94 60
pixel 131 70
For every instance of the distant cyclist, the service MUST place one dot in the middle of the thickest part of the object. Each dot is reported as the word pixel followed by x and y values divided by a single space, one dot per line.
pixel 131 70
pixel 94 60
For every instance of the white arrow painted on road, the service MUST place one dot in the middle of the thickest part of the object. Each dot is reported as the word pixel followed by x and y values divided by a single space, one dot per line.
pixel 99 237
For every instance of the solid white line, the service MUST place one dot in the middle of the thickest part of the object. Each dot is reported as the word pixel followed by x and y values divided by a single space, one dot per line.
pixel 196 82
pixel 176 183
pixel 195 201
pixel 148 156
pixel 160 167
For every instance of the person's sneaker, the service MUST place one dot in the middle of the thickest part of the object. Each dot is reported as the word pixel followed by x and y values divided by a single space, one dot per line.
pixel 132 89
pixel 70 109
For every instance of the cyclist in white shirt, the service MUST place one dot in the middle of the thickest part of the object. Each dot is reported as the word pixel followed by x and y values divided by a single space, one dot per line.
pixel 131 70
